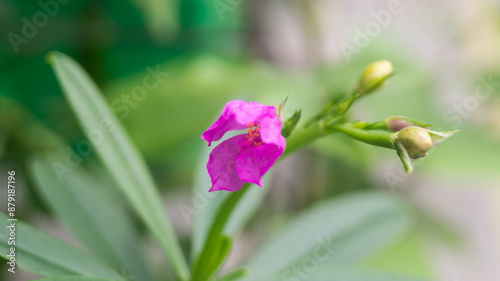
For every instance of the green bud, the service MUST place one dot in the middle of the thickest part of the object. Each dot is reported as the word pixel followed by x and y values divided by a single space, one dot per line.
pixel 415 140
pixel 375 76
pixel 396 123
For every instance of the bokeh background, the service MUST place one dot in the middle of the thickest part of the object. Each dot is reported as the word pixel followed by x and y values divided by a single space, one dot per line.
pixel 446 56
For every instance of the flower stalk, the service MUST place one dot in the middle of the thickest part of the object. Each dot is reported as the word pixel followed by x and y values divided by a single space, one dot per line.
pixel 408 137
pixel 374 138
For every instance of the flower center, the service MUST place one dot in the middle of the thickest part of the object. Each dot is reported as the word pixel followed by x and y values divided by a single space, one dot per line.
pixel 253 135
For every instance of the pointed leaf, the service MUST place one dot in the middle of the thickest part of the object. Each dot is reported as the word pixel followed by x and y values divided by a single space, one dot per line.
pixel 235 275
pixel 439 137
pixel 336 232
pixel 403 155
pixel 94 216
pixel 280 110
pixel 42 254
pixel 118 154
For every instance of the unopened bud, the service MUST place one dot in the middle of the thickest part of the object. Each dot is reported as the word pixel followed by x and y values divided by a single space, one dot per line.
pixel 375 76
pixel 415 140
pixel 396 123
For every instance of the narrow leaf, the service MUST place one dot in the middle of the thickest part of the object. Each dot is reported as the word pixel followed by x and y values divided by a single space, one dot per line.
pixel 221 250
pixel 439 137
pixel 403 155
pixel 94 216
pixel 118 155
pixel 42 254
pixel 339 231
pixel 235 275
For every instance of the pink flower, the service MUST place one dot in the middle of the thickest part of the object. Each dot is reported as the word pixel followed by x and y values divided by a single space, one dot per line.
pixel 246 157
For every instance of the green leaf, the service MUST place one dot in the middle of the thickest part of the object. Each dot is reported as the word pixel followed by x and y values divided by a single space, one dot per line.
pixel 235 275
pixel 336 232
pixel 73 278
pixel 118 155
pixel 408 255
pixel 94 216
pixel 439 137
pixel 280 110
pixel 290 123
pixel 404 157
pixel 42 254
pixel 217 256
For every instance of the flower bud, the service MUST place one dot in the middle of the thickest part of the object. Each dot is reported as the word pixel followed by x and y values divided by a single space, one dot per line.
pixel 374 76
pixel 396 123
pixel 413 142
pixel 416 141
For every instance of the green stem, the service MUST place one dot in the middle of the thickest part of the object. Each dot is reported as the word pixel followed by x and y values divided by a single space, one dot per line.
pixel 373 138
pixel 223 215
pixel 296 141
pixel 337 107
pixel 304 136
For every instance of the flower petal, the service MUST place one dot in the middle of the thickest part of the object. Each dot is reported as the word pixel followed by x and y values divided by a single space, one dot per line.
pixel 253 162
pixel 270 127
pixel 236 115
pixel 222 164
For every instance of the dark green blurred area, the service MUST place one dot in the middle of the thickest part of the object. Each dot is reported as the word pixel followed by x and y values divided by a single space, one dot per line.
pixel 112 40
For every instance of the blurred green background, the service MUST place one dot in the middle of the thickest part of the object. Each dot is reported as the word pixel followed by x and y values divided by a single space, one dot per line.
pixel 446 57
